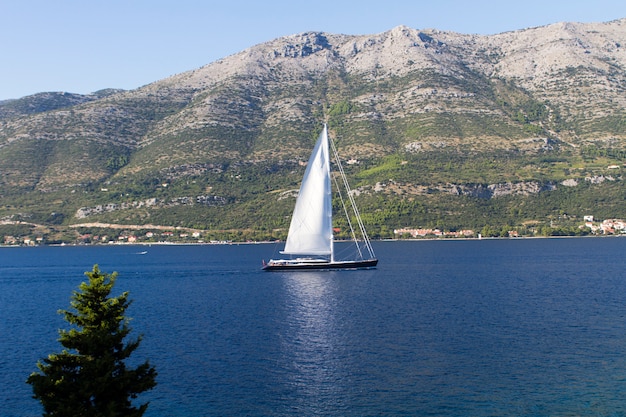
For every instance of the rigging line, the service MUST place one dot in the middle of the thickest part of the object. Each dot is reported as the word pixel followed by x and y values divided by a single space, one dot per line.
pixel 351 198
pixel 352 202
pixel 345 209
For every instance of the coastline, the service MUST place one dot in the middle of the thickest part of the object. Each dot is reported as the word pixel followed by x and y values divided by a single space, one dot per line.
pixel 236 243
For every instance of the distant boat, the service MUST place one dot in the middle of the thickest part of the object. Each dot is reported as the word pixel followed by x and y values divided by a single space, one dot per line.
pixel 310 238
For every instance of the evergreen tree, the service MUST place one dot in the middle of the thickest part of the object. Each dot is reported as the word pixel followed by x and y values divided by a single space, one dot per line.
pixel 89 377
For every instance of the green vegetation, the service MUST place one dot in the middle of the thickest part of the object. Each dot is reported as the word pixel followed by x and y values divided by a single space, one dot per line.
pixel 253 201
pixel 89 377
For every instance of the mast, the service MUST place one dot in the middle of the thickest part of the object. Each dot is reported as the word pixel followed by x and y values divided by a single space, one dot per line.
pixel 332 233
pixel 332 248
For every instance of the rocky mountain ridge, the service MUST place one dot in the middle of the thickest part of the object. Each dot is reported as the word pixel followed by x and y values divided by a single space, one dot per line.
pixel 538 97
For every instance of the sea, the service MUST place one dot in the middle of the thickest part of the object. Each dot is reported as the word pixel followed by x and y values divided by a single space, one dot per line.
pixel 506 327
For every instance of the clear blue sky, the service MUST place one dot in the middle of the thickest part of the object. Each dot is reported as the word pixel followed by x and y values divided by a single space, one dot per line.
pixel 81 46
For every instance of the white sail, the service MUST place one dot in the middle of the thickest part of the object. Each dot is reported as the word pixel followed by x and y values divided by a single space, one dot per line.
pixel 310 232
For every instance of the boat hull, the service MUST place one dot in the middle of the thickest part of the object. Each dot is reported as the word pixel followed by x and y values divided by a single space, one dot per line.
pixel 300 266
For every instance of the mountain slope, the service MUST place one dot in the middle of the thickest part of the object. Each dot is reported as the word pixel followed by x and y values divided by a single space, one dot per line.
pixel 424 108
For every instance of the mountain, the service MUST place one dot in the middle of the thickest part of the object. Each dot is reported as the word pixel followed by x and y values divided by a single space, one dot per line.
pixel 428 119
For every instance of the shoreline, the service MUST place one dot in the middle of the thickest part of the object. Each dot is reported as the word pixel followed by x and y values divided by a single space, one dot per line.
pixel 233 243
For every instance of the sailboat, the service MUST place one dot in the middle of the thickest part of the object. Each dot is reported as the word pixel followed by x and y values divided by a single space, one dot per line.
pixel 310 242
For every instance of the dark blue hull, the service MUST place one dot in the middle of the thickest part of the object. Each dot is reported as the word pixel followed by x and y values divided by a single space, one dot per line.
pixel 293 266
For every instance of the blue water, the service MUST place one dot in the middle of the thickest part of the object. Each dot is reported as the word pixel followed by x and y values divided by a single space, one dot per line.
pixel 455 328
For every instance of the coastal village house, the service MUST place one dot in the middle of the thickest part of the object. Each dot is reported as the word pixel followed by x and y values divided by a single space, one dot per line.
pixel 613 226
pixel 607 227
pixel 432 232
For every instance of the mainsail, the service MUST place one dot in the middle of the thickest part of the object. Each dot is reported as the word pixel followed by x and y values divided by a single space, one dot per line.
pixel 310 231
